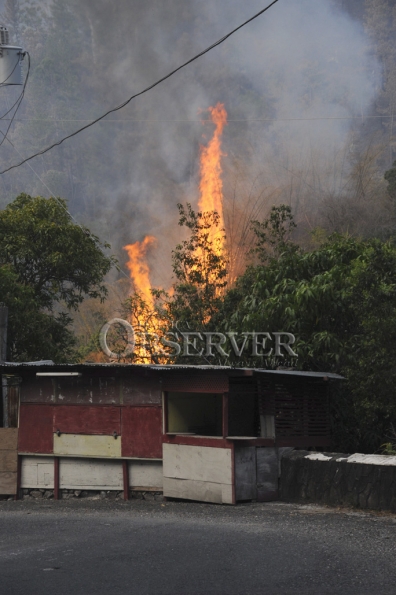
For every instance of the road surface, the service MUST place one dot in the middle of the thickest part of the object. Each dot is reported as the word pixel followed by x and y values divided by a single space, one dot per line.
pixel 102 547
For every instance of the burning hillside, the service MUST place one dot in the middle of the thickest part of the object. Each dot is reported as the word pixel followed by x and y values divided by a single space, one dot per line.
pixel 211 183
pixel 210 199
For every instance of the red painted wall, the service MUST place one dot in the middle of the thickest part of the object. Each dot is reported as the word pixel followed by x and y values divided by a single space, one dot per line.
pixel 87 419
pixel 140 427
pixel 35 428
pixel 142 432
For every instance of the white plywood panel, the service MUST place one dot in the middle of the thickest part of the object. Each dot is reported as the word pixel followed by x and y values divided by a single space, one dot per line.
pixel 88 446
pixel 37 472
pixel 29 473
pixel 145 474
pixel 200 463
pixel 90 474
pixel 203 491
pixel 45 474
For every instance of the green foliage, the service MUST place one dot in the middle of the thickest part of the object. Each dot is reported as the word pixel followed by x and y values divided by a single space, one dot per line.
pixel 32 333
pixel 389 448
pixel 200 269
pixel 273 234
pixel 46 262
pixel 340 303
pixel 60 260
pixel 195 298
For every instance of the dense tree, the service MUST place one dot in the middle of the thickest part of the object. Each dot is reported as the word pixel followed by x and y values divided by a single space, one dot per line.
pixel 48 266
pixel 339 301
pixel 273 234
pixel 33 334
pixel 200 267
pixel 200 270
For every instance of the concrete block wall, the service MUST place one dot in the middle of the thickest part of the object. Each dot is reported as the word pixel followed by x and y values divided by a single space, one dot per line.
pixel 361 481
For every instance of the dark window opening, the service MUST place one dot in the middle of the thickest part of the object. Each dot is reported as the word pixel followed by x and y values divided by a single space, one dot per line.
pixel 243 418
pixel 194 413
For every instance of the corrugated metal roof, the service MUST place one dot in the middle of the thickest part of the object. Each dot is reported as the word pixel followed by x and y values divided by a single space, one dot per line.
pixel 162 368
pixel 43 362
pixel 303 373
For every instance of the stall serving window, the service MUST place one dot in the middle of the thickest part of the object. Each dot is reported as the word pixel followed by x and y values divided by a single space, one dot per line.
pixel 194 413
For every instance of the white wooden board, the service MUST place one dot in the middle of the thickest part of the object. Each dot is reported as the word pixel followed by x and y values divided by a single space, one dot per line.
pixel 90 474
pixel 37 472
pixel 145 474
pixel 86 445
pixel 203 491
pixel 199 463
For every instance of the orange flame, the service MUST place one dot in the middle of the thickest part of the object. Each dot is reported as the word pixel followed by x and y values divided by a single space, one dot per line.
pixel 211 184
pixel 139 269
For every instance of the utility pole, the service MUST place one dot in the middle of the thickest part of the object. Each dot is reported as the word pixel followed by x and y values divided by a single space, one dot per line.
pixel 11 57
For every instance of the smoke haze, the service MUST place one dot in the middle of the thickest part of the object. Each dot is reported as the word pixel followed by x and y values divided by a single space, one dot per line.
pixel 292 82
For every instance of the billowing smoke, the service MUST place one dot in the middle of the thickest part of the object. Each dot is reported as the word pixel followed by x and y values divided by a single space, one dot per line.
pixel 293 83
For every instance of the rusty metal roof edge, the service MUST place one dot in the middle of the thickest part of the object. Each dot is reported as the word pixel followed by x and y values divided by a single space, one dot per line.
pixel 167 367
pixel 329 375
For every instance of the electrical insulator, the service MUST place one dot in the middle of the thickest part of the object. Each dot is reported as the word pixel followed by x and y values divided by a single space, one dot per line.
pixel 11 57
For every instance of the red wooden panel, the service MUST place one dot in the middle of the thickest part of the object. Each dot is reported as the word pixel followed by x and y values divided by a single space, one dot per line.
pixel 142 432
pixel 87 419
pixel 193 381
pixel 35 428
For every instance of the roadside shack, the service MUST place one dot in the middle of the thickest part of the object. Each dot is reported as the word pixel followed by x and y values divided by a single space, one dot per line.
pixel 211 434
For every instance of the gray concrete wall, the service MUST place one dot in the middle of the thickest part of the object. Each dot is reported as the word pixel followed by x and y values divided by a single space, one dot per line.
pixel 362 481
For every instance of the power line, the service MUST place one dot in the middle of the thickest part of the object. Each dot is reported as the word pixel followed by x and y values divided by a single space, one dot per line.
pixel 164 78
pixel 61 204
pixel 3 117
pixel 200 121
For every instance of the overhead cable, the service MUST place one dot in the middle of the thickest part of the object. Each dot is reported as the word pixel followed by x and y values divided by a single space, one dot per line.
pixel 63 206
pixel 203 120
pixel 125 103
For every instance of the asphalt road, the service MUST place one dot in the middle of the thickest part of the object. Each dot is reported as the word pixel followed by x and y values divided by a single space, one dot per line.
pixel 91 547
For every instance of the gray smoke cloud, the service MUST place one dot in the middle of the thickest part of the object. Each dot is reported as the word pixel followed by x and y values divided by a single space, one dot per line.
pixel 291 83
